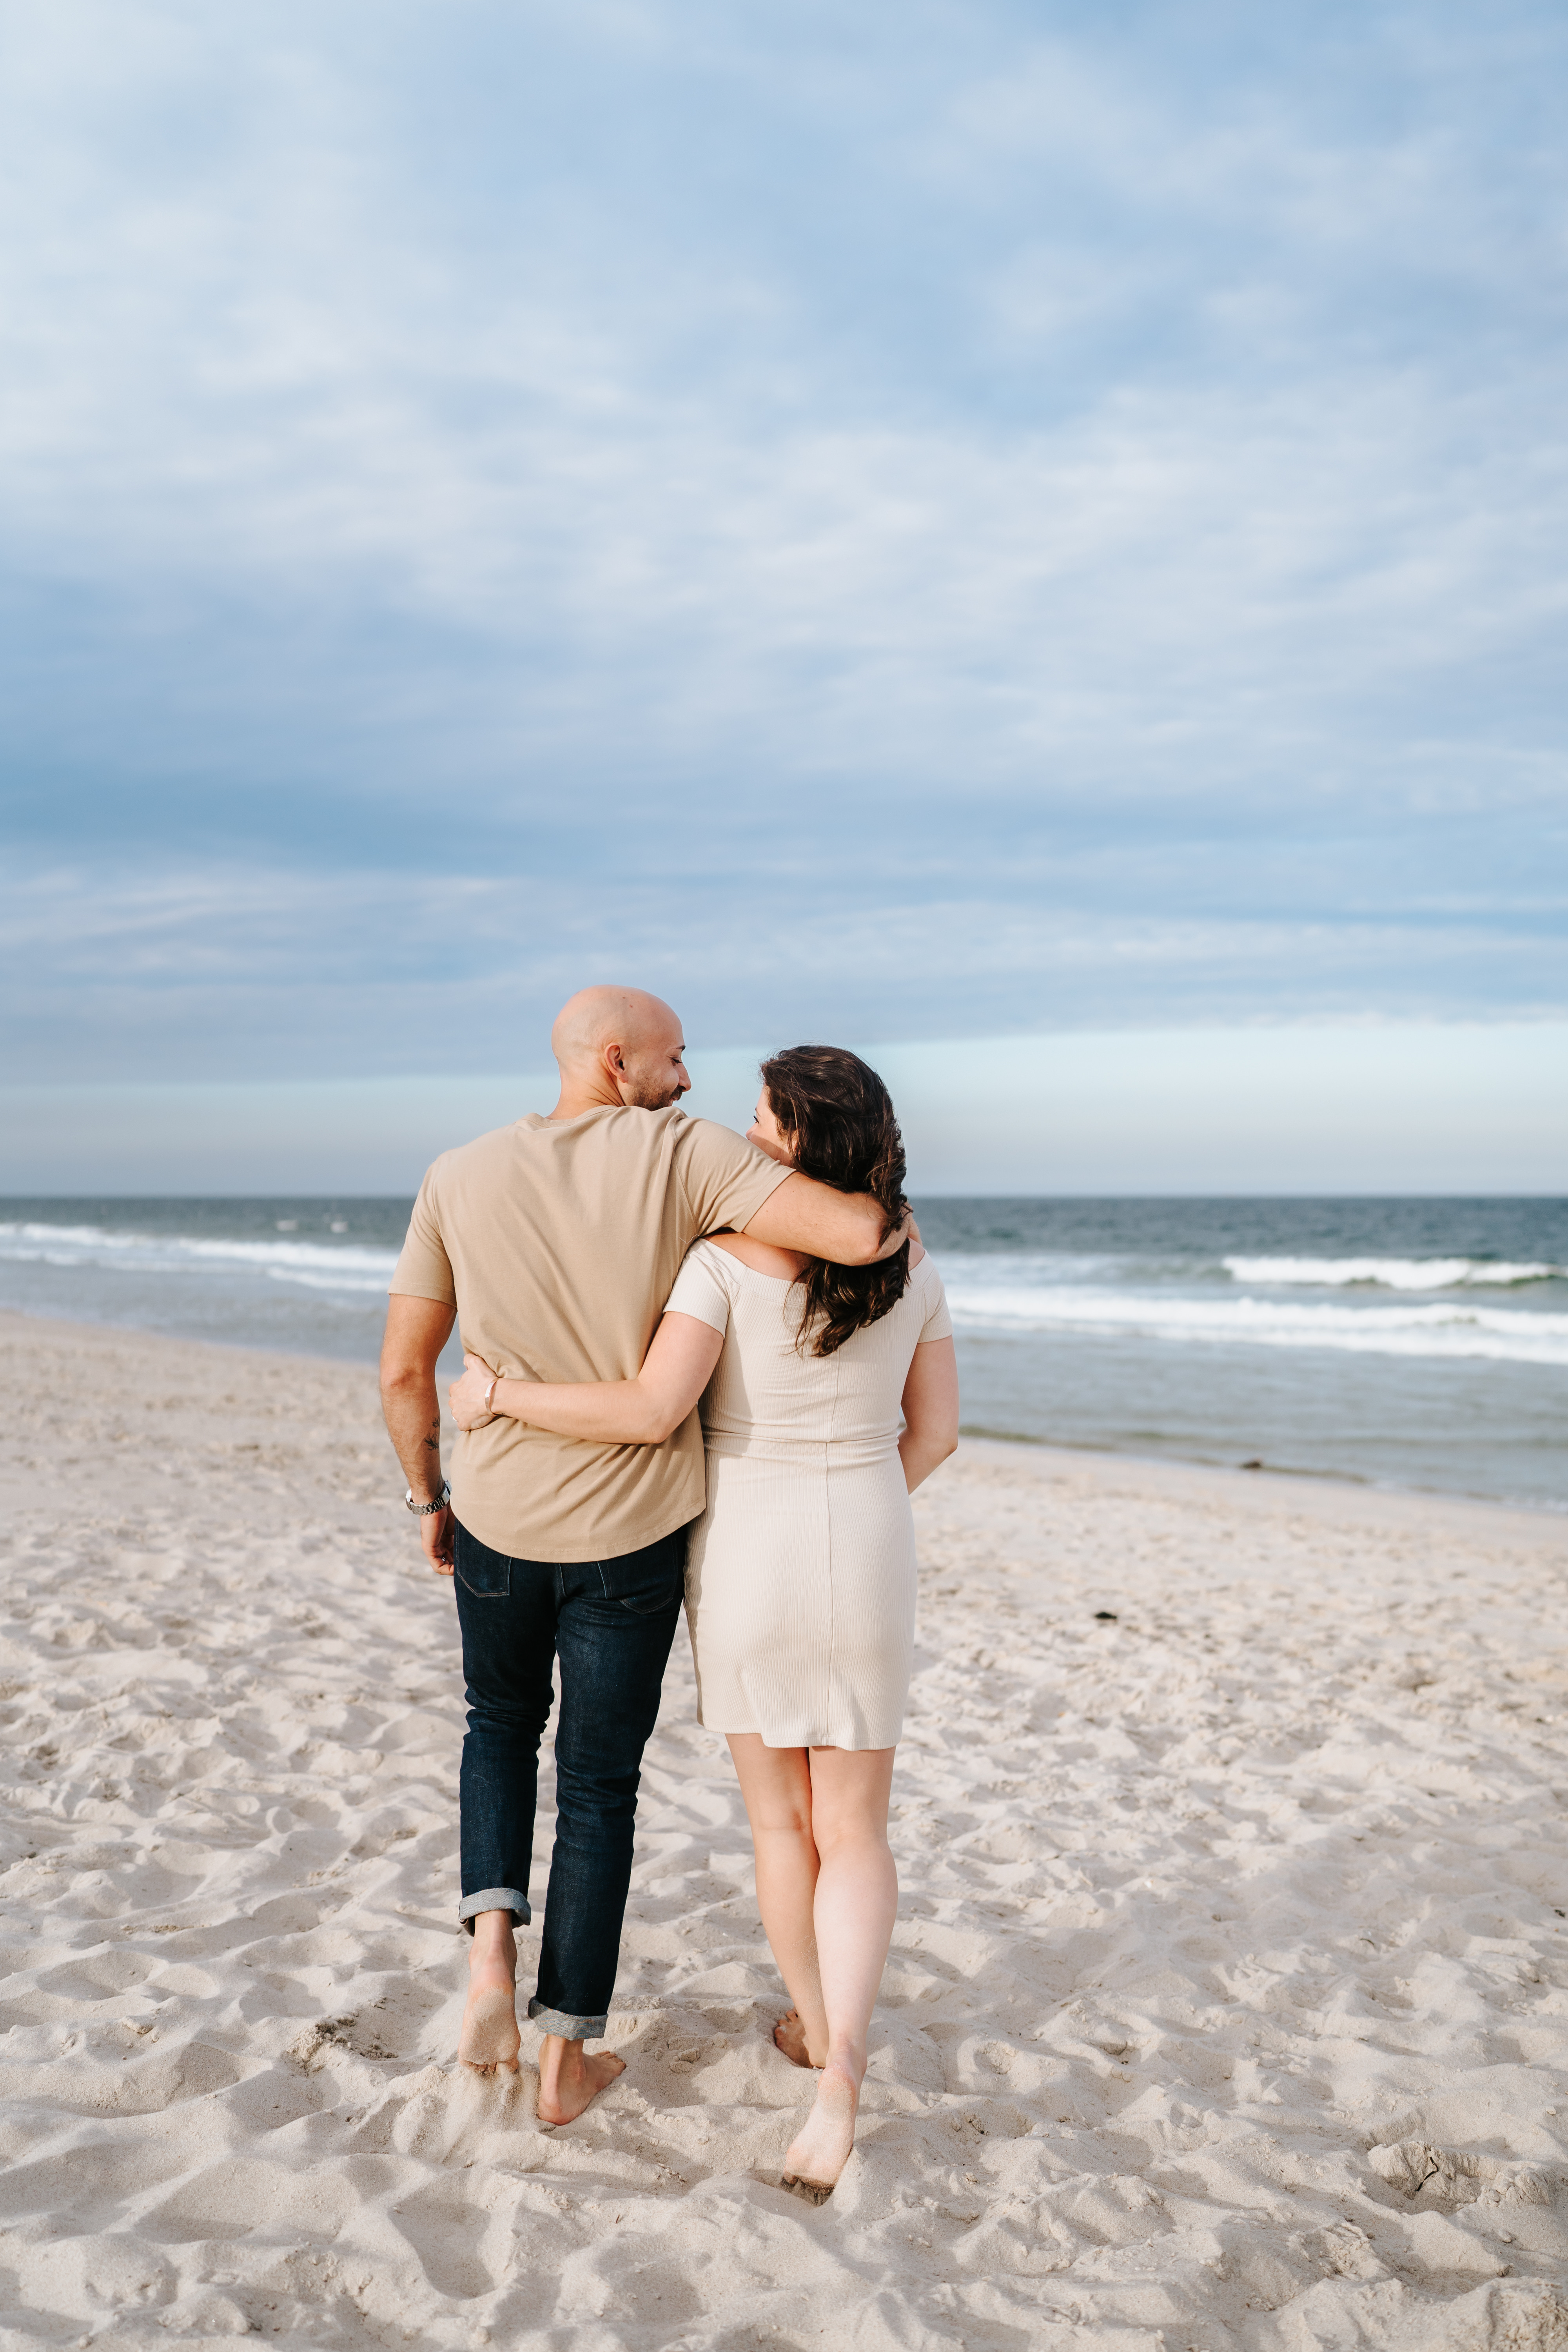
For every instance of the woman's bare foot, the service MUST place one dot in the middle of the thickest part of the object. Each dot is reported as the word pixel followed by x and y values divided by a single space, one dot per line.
pixel 490 2037
pixel 569 2079
pixel 820 2151
pixel 789 2035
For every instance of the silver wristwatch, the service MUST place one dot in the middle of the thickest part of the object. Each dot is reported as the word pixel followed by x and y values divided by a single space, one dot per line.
pixel 423 1510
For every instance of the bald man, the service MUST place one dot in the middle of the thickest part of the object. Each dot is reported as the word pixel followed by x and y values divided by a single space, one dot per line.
pixel 556 1243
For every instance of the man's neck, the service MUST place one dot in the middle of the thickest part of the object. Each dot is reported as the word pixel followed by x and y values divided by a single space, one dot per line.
pixel 574 1101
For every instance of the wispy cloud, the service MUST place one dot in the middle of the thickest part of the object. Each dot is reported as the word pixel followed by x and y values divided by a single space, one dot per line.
pixel 238 972
pixel 942 519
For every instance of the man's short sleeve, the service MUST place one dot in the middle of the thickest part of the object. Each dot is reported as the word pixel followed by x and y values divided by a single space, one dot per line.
pixel 424 1270
pixel 722 1179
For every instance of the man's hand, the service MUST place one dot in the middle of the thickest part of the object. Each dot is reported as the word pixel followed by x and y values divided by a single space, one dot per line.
pixel 466 1398
pixel 906 1230
pixel 436 1535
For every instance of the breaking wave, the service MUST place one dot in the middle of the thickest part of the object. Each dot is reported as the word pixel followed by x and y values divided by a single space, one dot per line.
pixel 1391 1273
pixel 316 1266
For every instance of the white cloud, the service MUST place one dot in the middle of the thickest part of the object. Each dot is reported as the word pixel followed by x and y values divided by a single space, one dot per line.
pixel 1059 444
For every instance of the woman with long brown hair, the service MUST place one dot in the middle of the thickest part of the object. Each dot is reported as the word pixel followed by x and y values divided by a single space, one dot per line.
pixel 801 1571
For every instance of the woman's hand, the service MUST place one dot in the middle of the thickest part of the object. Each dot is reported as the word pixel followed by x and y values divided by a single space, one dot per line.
pixel 466 1397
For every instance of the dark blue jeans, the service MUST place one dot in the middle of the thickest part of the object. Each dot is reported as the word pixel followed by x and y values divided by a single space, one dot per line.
pixel 611 1623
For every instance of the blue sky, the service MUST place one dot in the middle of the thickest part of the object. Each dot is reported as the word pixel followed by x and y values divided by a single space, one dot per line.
pixel 914 523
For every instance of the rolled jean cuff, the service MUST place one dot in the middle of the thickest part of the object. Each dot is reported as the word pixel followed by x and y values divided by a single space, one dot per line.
pixel 494 1898
pixel 570 2029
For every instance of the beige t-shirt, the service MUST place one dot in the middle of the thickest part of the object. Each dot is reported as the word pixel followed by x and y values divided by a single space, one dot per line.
pixel 558 1242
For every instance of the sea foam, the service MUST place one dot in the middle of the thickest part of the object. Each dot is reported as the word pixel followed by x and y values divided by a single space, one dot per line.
pixel 1451 1329
pixel 1391 1273
pixel 318 1265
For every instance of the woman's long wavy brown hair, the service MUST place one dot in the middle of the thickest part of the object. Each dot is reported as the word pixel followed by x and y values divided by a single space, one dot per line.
pixel 841 1118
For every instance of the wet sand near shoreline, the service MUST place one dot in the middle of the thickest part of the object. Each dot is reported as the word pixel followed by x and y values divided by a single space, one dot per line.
pixel 1228 2003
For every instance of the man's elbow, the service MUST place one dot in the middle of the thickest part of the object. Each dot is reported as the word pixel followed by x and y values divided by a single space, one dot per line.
pixel 399 1375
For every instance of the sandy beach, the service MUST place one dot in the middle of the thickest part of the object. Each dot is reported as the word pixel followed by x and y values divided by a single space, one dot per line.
pixel 1227 2005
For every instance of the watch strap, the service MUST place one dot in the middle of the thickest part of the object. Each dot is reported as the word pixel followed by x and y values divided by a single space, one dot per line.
pixel 424 1511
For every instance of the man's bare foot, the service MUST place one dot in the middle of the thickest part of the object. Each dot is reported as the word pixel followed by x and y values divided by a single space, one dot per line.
pixel 490 2037
pixel 569 2079
pixel 820 2151
pixel 789 2035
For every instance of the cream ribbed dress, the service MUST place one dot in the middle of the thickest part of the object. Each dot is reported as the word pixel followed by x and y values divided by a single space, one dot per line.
pixel 800 1577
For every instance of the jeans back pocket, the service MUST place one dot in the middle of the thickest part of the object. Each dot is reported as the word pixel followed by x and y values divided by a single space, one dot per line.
pixel 647 1581
pixel 486 1573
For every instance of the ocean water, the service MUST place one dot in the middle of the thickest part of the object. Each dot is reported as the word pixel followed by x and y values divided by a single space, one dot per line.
pixel 1418 1343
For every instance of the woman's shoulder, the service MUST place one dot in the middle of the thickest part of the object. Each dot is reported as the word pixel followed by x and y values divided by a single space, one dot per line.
pixel 706 1257
pixel 926 1294
pixel 738 1249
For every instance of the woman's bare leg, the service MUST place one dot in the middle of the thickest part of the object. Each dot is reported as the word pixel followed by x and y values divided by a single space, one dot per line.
pixel 856 1903
pixel 776 1785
